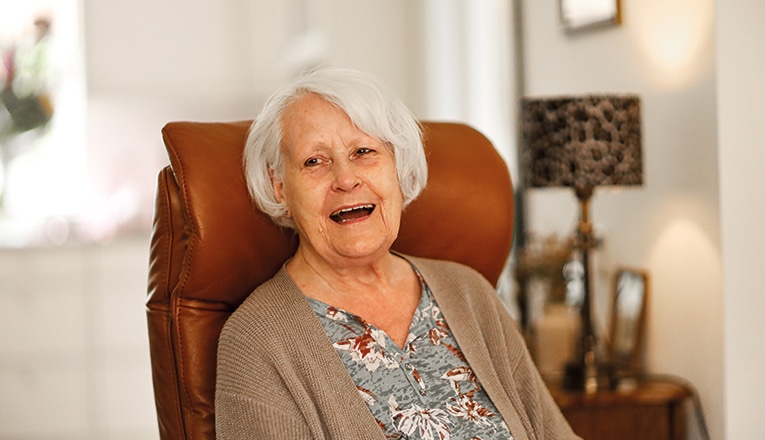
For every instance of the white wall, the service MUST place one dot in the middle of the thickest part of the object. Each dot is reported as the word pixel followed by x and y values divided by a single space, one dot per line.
pixel 665 52
pixel 74 357
pixel 238 52
pixel 741 94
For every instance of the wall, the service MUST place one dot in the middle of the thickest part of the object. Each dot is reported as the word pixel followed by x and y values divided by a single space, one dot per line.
pixel 665 52
pixel 74 358
pixel 740 38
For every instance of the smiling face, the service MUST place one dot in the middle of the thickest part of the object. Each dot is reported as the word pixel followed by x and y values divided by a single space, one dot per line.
pixel 340 184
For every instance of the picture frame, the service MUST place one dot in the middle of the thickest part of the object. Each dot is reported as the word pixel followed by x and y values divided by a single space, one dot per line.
pixel 628 315
pixel 579 15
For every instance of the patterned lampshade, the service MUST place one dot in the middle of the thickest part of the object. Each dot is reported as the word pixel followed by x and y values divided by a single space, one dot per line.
pixel 581 142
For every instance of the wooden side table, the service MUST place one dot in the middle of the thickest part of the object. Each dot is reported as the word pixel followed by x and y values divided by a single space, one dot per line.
pixel 652 409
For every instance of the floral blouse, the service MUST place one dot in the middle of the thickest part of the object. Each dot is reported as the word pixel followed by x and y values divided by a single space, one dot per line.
pixel 425 390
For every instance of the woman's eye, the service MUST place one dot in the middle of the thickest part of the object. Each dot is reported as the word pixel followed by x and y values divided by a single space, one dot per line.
pixel 363 151
pixel 312 162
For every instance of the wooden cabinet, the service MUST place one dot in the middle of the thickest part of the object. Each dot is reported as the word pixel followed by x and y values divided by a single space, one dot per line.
pixel 650 410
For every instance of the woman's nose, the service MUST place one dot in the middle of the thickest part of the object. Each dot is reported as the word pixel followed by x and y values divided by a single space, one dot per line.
pixel 346 176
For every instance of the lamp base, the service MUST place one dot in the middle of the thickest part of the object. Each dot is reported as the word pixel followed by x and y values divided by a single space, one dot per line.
pixel 579 376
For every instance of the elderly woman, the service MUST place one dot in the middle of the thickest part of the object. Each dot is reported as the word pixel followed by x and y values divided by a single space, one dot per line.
pixel 351 340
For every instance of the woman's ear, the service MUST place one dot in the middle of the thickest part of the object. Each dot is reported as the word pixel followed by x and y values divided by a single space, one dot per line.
pixel 278 185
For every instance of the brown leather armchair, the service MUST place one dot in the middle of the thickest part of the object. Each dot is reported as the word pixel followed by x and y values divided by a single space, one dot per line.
pixel 210 248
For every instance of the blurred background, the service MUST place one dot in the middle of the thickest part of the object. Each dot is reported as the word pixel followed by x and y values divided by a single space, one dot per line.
pixel 78 184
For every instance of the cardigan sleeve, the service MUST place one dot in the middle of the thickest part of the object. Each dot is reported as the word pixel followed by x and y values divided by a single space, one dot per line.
pixel 251 402
pixel 243 418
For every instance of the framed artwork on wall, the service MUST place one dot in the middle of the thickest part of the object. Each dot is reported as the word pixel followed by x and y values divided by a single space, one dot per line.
pixel 577 15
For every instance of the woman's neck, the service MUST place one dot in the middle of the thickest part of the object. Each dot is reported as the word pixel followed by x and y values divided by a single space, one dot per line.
pixel 384 293
pixel 344 275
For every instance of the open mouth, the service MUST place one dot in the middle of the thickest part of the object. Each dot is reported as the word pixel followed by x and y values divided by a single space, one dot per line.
pixel 350 214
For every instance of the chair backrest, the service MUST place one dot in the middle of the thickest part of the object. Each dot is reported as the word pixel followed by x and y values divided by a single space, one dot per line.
pixel 210 248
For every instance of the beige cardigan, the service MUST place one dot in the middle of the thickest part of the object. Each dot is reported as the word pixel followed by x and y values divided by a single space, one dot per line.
pixel 267 389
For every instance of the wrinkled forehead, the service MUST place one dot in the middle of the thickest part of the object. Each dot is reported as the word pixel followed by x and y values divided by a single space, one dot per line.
pixel 312 120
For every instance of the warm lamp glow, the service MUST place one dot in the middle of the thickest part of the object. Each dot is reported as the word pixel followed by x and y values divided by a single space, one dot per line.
pixel 676 38
pixel 685 302
pixel 684 246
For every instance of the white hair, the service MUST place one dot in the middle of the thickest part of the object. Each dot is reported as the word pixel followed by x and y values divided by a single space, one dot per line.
pixel 371 108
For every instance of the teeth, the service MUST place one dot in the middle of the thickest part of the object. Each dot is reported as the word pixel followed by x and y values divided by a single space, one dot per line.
pixel 339 216
pixel 343 211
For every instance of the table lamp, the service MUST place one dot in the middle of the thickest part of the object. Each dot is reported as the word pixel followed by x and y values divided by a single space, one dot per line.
pixel 582 142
